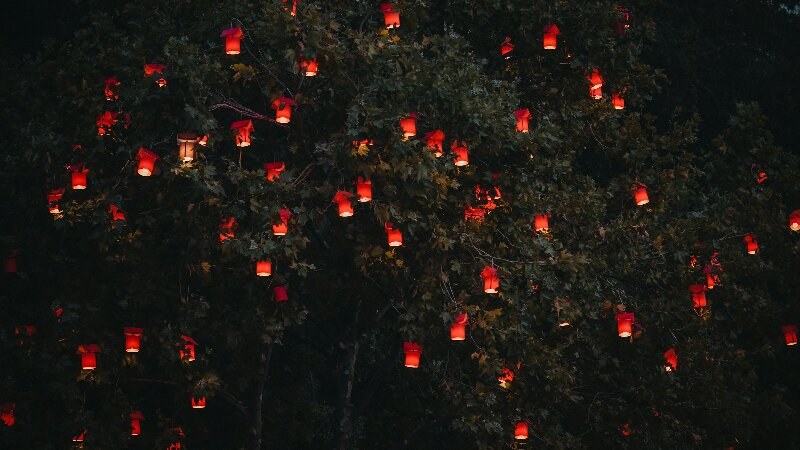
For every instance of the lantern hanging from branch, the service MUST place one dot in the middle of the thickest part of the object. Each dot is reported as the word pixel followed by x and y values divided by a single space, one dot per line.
pixel 458 330
pixel 474 214
pixel 233 38
pixel 790 334
pixel 364 190
pixel 293 10
pixel 227 228
pixel 506 48
pixel 53 197
pixel 282 228
pixel 274 170
pixel 88 354
pixel 153 69
pixel 523 116
pixel 117 214
pixel 78 176
pixel 625 324
pixel 617 100
pixel 133 339
pixel 491 280
pixel 111 89
pixel 280 294
pixel 521 431
pixel 623 21
pixel 24 333
pixel 393 236
pixel 712 275
pixel 794 220
pixel 187 353
pixel 408 125
pixel 308 67
pixel 596 93
pixel 551 33
pixel 283 109
pixel 263 268
pixel 342 200
pixel 541 223
pixel 136 423
pixel 7 414
pixel 186 146
pixel 198 402
pixel 203 140
pixel 751 243
pixel 79 438
pixel 640 194
pixel 460 153
pixel 671 359
pixel 505 378
pixel 243 129
pixel 595 79
pixel 412 351
pixel 147 162
pixel 391 18
pixel 435 141
pixel 105 121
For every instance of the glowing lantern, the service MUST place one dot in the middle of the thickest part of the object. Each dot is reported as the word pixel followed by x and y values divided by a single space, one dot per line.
pixel 110 90
pixel 198 403
pixel 152 69
pixel 133 339
pixel 460 153
pixel 409 125
pixel 671 359
pixel 88 356
pixel 227 228
pixel 7 414
pixel 640 194
pixel 263 268
pixel 274 169
pixel 550 41
pixel 279 292
pixel 283 109
pixel 78 176
pixel 618 101
pixel 233 38
pixel 342 200
pixel 24 333
pixel 751 244
pixel 625 324
pixel 393 236
pixel 79 437
pixel 458 331
pixel 391 18
pixel 413 352
pixel 282 228
pixel 790 334
pixel 712 279
pixel 491 280
pixel 188 351
pixel 136 423
pixel 147 162
pixel 506 48
pixel 623 21
pixel 522 115
pixel 596 93
pixel 762 177
pixel 794 220
pixel 476 214
pixel 595 79
pixel 309 67
pixel 117 214
pixel 521 431
pixel 364 190
pixel 505 378
pixel 104 123
pixel 243 129
pixel 186 144
pixel 52 200
pixel 293 11
pixel 435 141
pixel 541 223
pixel 203 140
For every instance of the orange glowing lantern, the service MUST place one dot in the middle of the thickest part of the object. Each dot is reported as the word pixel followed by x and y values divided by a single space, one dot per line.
pixel 522 115
pixel 623 21
pixel 117 214
pixel 458 331
pixel 280 294
pixel 52 200
pixel 617 100
pixel 198 402
pixel 640 194
pixel 625 324
pixel 88 354
pixel 263 268
pixel 476 214
pixel 794 220
pixel 790 334
pixel 188 351
pixel 391 18
pixel 78 176
pixel 596 93
pixel 233 40
pixel 282 228
pixel 413 352
pixel 203 140
pixel 364 190
pixel 243 129
pixel 506 48
pixel 25 333
pixel 227 228
pixel 460 153
pixel 595 79
pixel 274 169
pixel 7 414
pixel 79 438
pixel 393 236
pixel 491 280
pixel 671 359
pixel 104 123
pixel 541 223
pixel 435 141
pixel 147 162
pixel 136 423
pixel 293 10
pixel 505 378
pixel 521 431
pixel 550 41
pixel 751 243
pixel 342 200
pixel 309 67
pixel 111 88
pixel 283 109
pixel 133 339
pixel 153 69
pixel 712 279
pixel 409 125
pixel 186 146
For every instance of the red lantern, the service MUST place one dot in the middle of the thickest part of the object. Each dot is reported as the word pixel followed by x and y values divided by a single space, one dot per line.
pixel 243 129
pixel 198 403
pixel 541 223
pixel 551 33
pixel 78 176
pixel 283 109
pixel 491 280
pixel 458 331
pixel 794 220
pixel 280 294
pixel 625 324
pixel 136 423
pixel 364 190
pixel 596 93
pixel 671 359
pixel 790 334
pixel 342 200
pixel 147 162
pixel 751 243
pixel 640 194
pixel 80 437
pixel 25 333
pixel 505 378
pixel 104 123
pixel 309 67
pixel 595 79
pixel 460 153
pixel 522 115
pixel 88 356
pixel 188 350
pixel 282 228
pixel 435 141
pixel 475 214
pixel 391 18
pixel 203 140
pixel 152 69
pixel 7 414
pixel 617 100
pixel 233 38
pixel 521 431
pixel 293 11
pixel 506 48
pixel 623 21
pixel 10 265
pixel 52 200
pixel 263 268
pixel 409 125
pixel 274 169
pixel 110 90
pixel 712 279
pixel 133 338
pixel 186 143
pixel 393 236
pixel 413 352
pixel 227 228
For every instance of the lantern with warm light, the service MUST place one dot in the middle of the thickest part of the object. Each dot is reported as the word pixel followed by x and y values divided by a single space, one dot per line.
pixel 198 402
pixel 293 9
pixel 491 280
pixel 435 141
pixel 364 190
pixel 523 116
pixel 136 423
pixel 474 214
pixel 521 431
pixel 625 324
pixel 506 48
pixel 188 351
pixel 78 438
pixel 282 228
pixel 117 214
pixel 88 354
pixel 617 100
pixel 283 109
pixel 640 194
pixel 505 378
pixel 53 197
pixel 78 176
pixel 274 170
pixel 671 360
pixel 147 162
pixel 104 123
pixel 595 79
pixel 458 330
pixel 790 334
pixel 227 228
pixel 460 153
pixel 203 140
pixel 186 144
pixel 7 414
pixel 393 235
pixel 408 125
pixel 280 294
pixel 751 243
pixel 391 18
pixel 233 40
pixel 153 69
pixel 541 223
pixel 794 220
pixel 550 41
pixel 111 88
pixel 596 93
pixel 412 351
pixel 263 268
pixel 712 279
pixel 243 128
pixel 342 200
pixel 308 67
pixel 133 339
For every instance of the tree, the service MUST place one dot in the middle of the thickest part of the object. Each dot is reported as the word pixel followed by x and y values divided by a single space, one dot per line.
pixel 325 368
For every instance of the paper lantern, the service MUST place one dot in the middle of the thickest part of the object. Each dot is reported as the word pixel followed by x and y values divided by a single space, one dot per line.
pixel 263 268
pixel 790 334
pixel 491 280
pixel 283 109
pixel 105 121
pixel 391 18
pixel 309 67
pixel 794 220
pixel 712 279
pixel 282 228
pixel 243 129
pixel 413 352
pixel 24 333
pixel 227 228
pixel 274 170
pixel 117 214
pixel 505 378
pixel 506 48
pixel 522 115
pixel 671 359
pixel 751 243
pixel 78 176
pixel 342 200
pixel 550 41
pixel 198 402
pixel 133 338
pixel 435 141
pixel 293 10
pixel 7 414
pixel 640 194
pixel 409 125
pixel 364 190
pixel 458 330
pixel 541 223
pixel 623 21
pixel 595 79
pixel 460 153
pixel 186 144
pixel 596 93
pixel 625 324
pixel 280 294
pixel 521 431
pixel 88 354
pixel 474 214
pixel 233 38
pixel 153 69
pixel 110 90
pixel 53 197
pixel 203 140
pixel 79 437
pixel 136 423
pixel 393 236
pixel 188 351
pixel 147 162
pixel 617 100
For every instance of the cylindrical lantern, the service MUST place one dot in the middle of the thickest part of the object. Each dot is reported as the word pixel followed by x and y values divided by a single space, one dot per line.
pixel 79 437
pixel 136 423
pixel 110 91
pixel 625 324
pixel 640 194
pixel 596 93
pixel 412 351
pixel 274 170
pixel 283 109
pixel 550 40
pixel 790 334
pixel 309 67
pixel 393 236
pixel 617 101
pixel 698 293
pixel 391 18
pixel 595 79
pixel 460 153
pixel 342 200
pixel 364 190
pixel 751 243
pixel 523 116
pixel 435 141
pixel 147 162
pixel 186 144
pixel 458 331
pixel 491 280
pixel 711 280
pixel 52 201
pixel 227 228
pixel 521 431
pixel 671 360
pixel 280 294
pixel 506 48
pixel 243 129
pixel 233 38
pixel 505 378
pixel 188 350
pixel 198 402
pixel 794 220
pixel 88 356
pixel 133 337
pixel 541 223
pixel 263 268
pixel 282 228
pixel 79 179
pixel 409 125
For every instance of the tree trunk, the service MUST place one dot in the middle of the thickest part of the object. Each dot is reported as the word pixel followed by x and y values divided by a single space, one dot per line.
pixel 256 423
pixel 346 403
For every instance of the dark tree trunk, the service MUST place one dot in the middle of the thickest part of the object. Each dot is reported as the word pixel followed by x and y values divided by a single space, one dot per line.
pixel 346 399
pixel 256 423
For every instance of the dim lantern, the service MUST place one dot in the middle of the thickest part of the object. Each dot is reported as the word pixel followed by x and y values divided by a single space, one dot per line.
pixel 391 18
pixel 460 153
pixel 521 431
pixel 308 67
pixel 491 280
pixel 263 268
pixel 156 69
pixel 283 109
pixel 794 220
pixel 111 89
pixel 435 141
pixel 342 200
pixel 625 324
pixel 506 48
pixel 523 116
pixel 617 100
pixel 394 237
pixel 280 294
pixel 640 194
pixel 596 93
pixel 364 190
pixel 227 228
pixel 474 214
pixel 505 378
pixel 147 162
pixel 671 360
pixel 751 244
pixel 187 352
pixel 198 402
pixel 53 198
pixel 698 293
pixel 186 144
pixel 790 334
pixel 274 169
pixel 412 351
pixel 282 228
pixel 133 339
pixel 408 125
pixel 233 38
pixel 88 354
pixel 136 423
pixel 78 176
pixel 541 223
pixel 458 331
pixel 242 128
pixel 7 414
pixel 550 41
